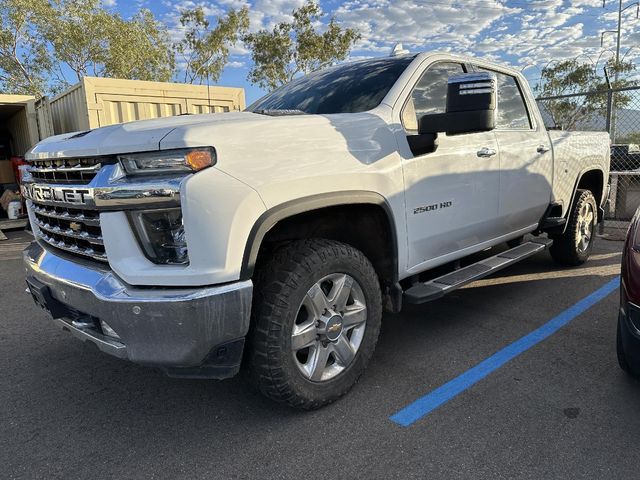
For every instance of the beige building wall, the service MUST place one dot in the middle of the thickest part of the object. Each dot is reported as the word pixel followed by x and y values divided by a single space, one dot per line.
pixel 98 102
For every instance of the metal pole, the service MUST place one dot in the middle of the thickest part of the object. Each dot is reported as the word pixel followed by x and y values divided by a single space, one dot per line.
pixel 616 77
pixel 609 123
pixel 619 38
pixel 609 117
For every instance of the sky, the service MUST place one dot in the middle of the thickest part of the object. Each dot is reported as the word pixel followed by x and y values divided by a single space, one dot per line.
pixel 524 34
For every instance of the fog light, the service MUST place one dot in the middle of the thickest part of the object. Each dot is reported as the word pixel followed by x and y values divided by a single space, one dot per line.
pixel 107 330
pixel 161 235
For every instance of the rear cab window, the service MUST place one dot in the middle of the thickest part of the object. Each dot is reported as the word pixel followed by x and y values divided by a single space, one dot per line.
pixel 512 109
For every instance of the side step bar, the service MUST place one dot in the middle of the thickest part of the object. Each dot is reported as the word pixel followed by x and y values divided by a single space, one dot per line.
pixel 438 287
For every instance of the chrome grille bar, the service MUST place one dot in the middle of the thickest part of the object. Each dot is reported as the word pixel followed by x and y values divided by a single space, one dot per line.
pixel 65 215
pixel 73 229
pixel 72 248
pixel 64 169
pixel 86 236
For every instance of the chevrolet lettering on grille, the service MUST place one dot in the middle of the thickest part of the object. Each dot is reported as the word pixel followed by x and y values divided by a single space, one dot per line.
pixel 42 193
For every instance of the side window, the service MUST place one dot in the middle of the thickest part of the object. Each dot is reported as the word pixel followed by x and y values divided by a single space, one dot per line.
pixel 430 94
pixel 512 111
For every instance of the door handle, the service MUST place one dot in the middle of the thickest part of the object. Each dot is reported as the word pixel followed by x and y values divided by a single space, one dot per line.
pixel 543 149
pixel 486 152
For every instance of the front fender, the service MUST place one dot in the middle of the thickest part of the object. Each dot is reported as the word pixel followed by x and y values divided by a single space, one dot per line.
pixel 307 204
pixel 218 214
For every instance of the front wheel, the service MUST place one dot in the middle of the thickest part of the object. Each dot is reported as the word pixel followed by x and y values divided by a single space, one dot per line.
pixel 574 246
pixel 316 318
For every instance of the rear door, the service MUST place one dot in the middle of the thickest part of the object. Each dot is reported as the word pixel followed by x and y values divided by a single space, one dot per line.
pixel 451 194
pixel 526 160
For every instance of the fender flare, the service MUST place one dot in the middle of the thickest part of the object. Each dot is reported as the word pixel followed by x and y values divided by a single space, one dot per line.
pixel 592 168
pixel 271 217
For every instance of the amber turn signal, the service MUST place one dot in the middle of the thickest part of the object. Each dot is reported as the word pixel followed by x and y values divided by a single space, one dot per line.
pixel 199 159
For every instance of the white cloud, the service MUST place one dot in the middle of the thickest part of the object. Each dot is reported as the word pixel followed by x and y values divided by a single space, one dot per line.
pixel 522 33
pixel 506 31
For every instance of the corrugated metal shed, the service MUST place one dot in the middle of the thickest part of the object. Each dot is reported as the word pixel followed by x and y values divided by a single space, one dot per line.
pixel 98 102
pixel 43 116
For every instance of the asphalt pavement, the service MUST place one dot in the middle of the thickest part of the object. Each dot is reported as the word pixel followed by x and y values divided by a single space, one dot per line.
pixel 560 409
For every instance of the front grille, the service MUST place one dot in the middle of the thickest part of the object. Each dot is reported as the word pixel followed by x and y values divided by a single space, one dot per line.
pixel 73 230
pixel 78 171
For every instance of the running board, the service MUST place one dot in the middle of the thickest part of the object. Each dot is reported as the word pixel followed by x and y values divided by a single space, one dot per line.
pixel 438 287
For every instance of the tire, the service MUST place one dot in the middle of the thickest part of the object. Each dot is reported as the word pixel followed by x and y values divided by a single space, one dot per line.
pixel 290 290
pixel 574 246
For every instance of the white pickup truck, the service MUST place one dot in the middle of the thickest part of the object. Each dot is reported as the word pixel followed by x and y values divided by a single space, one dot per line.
pixel 275 237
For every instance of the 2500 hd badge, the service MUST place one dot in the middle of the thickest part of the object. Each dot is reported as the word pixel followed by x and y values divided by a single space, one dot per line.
pixel 432 208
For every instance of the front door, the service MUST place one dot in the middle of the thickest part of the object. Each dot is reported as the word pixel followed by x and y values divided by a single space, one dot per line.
pixel 526 161
pixel 451 195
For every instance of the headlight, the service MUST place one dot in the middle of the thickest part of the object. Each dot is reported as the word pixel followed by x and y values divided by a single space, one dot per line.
pixel 184 160
pixel 161 235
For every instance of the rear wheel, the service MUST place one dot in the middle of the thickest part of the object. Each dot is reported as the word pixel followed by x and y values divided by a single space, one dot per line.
pixel 316 319
pixel 574 246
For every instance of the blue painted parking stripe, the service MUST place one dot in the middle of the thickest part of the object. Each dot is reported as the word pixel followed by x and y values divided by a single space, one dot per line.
pixel 425 405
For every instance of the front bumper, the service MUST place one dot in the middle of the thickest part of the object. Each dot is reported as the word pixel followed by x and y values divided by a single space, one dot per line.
pixel 194 332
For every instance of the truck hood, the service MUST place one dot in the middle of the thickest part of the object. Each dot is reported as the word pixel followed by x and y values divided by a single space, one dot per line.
pixel 255 149
pixel 140 136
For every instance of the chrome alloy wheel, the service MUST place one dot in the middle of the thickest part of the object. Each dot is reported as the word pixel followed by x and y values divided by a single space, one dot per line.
pixel 586 222
pixel 329 327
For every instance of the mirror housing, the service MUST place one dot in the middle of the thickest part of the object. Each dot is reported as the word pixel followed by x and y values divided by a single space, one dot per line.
pixel 471 106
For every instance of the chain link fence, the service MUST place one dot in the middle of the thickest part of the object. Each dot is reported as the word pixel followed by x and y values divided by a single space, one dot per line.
pixel 616 111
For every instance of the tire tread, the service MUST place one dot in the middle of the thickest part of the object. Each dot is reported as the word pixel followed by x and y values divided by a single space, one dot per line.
pixel 564 250
pixel 273 282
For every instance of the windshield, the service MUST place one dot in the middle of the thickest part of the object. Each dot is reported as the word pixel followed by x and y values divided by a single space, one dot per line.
pixel 347 88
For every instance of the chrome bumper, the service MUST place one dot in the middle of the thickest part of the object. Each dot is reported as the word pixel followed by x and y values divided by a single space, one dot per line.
pixel 187 332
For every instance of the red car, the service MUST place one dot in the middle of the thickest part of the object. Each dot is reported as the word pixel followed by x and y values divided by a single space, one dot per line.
pixel 628 339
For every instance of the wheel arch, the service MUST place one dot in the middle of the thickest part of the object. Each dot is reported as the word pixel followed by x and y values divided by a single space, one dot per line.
pixel 322 204
pixel 591 179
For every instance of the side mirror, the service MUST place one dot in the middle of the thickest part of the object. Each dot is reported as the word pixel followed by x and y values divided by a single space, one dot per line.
pixel 471 106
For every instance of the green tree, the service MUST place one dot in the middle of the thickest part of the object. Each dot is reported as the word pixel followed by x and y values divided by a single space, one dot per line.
pixel 297 47
pixel 93 41
pixel 78 37
pixel 139 49
pixel 25 62
pixel 572 77
pixel 205 51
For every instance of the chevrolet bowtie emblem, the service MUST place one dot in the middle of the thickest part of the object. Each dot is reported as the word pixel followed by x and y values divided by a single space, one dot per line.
pixel 334 328
pixel 75 226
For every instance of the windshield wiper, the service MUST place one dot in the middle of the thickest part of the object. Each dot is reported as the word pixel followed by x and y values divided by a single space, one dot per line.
pixel 276 112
